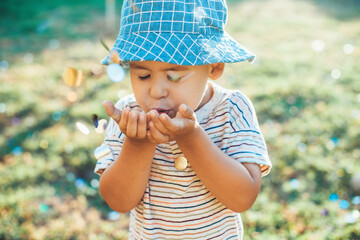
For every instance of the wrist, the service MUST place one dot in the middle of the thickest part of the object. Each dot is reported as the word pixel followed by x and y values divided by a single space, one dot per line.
pixel 140 144
pixel 190 135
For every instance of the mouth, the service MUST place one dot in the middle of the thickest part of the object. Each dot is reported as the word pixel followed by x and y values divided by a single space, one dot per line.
pixel 171 113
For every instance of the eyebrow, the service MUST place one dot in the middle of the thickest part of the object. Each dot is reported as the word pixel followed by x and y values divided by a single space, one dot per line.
pixel 176 68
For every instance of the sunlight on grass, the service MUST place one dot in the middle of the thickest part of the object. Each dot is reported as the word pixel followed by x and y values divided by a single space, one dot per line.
pixel 304 86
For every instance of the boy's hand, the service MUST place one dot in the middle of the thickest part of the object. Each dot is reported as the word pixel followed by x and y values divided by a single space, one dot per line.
pixel 131 122
pixel 164 129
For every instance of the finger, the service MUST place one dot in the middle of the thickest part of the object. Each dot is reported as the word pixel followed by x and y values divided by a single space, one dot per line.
pixel 124 120
pixel 112 111
pixel 173 125
pixel 169 123
pixel 186 111
pixel 131 128
pixel 156 134
pixel 150 137
pixel 158 124
pixel 141 128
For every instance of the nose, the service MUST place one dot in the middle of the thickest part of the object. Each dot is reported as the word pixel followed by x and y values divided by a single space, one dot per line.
pixel 158 88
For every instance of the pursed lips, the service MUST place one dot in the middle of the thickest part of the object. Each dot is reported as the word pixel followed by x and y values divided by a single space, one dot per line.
pixel 169 112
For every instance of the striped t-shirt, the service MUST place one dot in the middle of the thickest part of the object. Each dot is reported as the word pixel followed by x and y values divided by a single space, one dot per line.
pixel 176 205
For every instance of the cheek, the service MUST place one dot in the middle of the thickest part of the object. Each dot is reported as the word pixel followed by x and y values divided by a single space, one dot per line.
pixel 190 96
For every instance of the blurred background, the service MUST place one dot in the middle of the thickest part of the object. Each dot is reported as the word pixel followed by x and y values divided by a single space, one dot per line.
pixel 304 84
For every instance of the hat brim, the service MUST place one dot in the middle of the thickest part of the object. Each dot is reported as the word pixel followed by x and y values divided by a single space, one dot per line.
pixel 179 48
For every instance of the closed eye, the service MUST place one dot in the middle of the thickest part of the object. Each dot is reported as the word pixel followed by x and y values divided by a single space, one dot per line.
pixel 144 77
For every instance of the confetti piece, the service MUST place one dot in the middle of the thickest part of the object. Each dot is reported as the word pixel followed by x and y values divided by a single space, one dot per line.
pixel 95 120
pixel 43 208
pixel 17 151
pixel 56 116
pixel 335 74
pixel 333 197
pixel 113 216
pixel 114 57
pixel 82 128
pixel 115 72
pixel 73 77
pixel 133 6
pixel 325 212
pixel 80 183
pixel 174 78
pixel 294 183
pixel 102 126
pixel 343 204
pixel 94 183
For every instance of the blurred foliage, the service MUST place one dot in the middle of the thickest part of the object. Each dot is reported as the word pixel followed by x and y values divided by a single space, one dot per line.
pixel 308 112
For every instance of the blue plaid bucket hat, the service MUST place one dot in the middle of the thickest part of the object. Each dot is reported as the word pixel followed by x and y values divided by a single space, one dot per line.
pixel 182 32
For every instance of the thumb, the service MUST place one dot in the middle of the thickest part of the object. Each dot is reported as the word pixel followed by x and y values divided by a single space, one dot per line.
pixel 186 111
pixel 111 110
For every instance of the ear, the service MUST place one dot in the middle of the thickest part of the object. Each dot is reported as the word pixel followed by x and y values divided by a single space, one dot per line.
pixel 217 70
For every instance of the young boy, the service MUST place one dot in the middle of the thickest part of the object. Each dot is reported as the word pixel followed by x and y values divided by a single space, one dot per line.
pixel 184 155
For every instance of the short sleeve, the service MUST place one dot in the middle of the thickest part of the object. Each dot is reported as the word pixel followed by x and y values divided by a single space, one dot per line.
pixel 245 142
pixel 108 151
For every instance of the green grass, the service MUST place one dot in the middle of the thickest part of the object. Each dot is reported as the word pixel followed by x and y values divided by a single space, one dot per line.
pixel 311 121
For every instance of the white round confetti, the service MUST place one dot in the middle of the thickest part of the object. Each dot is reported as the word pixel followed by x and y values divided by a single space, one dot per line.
pixel 54 44
pixel 115 72
pixel 82 128
pixel 349 218
pixel 28 58
pixel 348 49
pixel 318 45
pixel 4 65
pixel 355 213
pixel 335 73
pixel 94 183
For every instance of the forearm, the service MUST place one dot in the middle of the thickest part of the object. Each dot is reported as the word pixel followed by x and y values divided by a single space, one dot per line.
pixel 123 183
pixel 228 180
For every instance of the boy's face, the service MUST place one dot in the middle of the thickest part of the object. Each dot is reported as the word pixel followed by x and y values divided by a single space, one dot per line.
pixel 164 86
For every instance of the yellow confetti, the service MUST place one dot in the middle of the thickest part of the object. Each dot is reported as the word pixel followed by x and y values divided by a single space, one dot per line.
pixel 115 57
pixel 73 77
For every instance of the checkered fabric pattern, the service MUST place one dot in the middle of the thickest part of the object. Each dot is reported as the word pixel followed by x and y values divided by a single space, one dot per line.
pixel 183 32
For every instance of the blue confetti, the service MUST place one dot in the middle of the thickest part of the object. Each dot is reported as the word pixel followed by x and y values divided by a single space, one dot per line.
pixel 17 151
pixel 335 141
pixel 294 183
pixel 333 197
pixel 356 200
pixel 80 183
pixel 95 120
pixel 115 72
pixel 343 204
pixel 56 116
pixel 43 208
pixel 113 216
